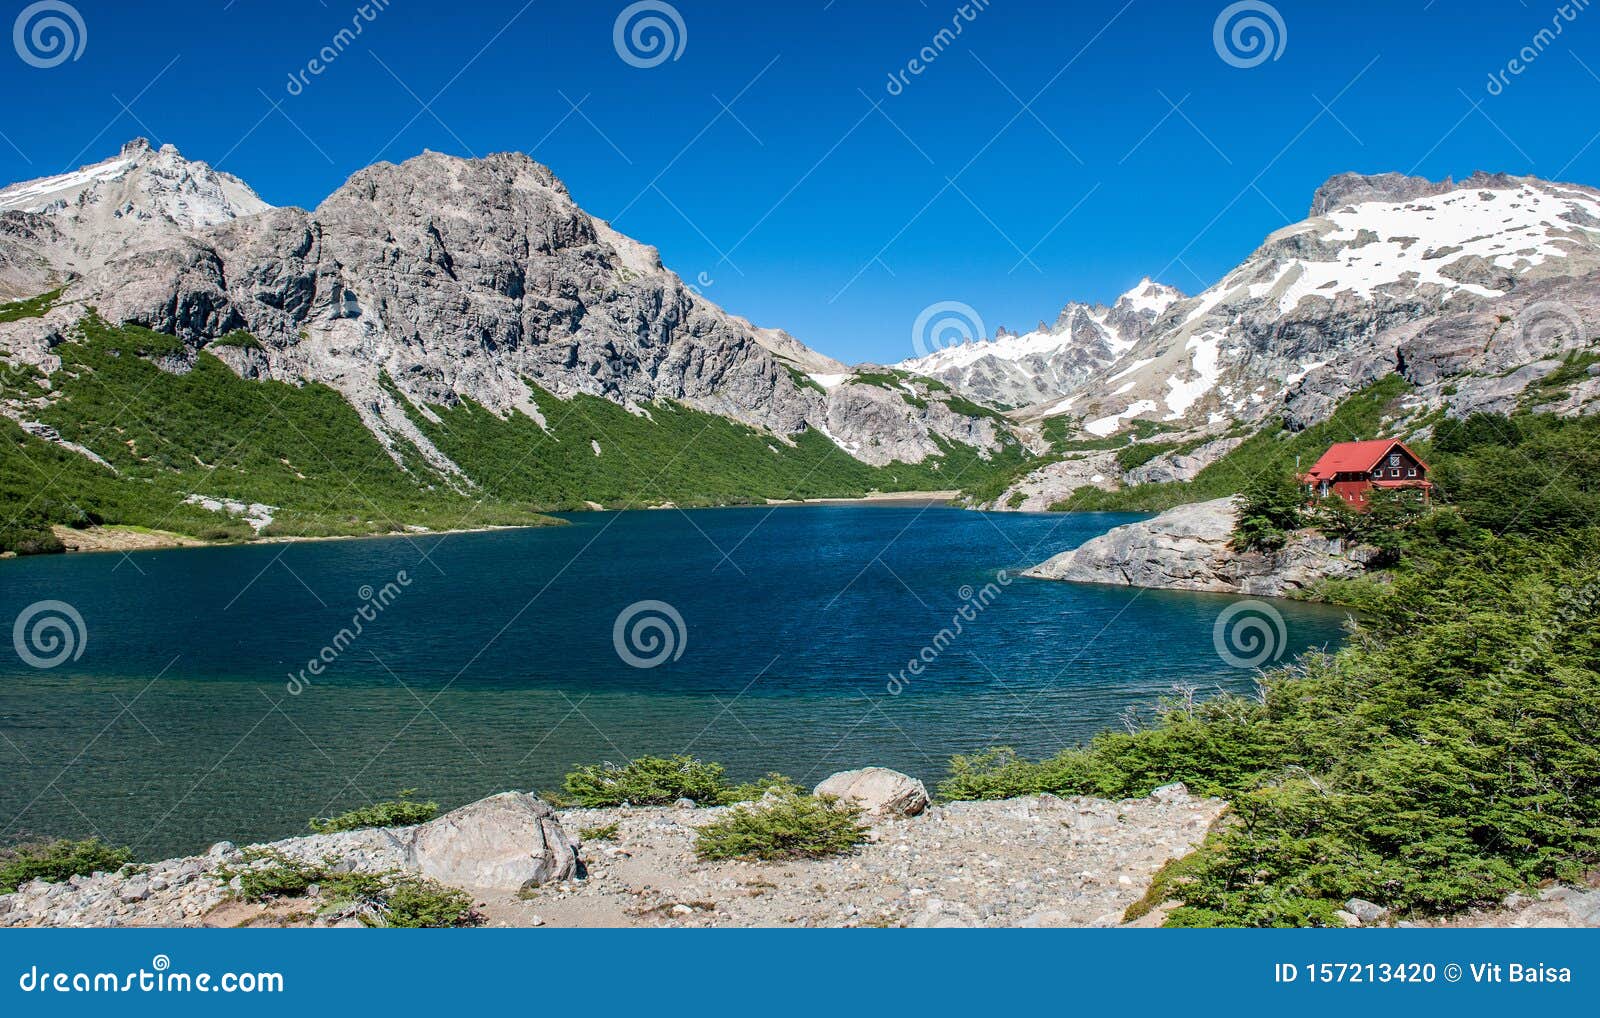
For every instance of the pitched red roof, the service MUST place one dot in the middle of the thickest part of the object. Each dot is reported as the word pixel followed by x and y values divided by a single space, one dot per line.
pixel 1356 458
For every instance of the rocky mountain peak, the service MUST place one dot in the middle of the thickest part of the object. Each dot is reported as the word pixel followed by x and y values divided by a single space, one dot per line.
pixel 1354 188
pixel 91 205
pixel 1149 296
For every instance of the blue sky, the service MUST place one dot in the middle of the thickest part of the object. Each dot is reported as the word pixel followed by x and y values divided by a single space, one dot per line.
pixel 1051 151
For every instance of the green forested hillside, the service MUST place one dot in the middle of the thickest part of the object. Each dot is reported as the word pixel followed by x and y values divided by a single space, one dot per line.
pixel 304 450
pixel 675 454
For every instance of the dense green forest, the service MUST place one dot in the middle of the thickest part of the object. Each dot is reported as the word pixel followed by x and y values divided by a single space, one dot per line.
pixel 1446 757
pixel 304 450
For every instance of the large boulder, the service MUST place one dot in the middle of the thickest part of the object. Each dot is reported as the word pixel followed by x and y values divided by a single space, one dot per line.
pixel 506 842
pixel 880 791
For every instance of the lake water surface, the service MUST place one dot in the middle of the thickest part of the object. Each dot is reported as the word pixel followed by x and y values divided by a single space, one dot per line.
pixel 494 662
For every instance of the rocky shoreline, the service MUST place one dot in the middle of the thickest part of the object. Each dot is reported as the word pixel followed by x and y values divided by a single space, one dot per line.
pixel 1034 861
pixel 1188 548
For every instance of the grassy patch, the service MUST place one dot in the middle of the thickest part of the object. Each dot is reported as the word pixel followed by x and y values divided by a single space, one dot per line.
pixel 403 811
pixel 32 307
pixel 675 454
pixel 804 380
pixel 241 340
pixel 789 826
pixel 1574 369
pixel 300 447
pixel 602 832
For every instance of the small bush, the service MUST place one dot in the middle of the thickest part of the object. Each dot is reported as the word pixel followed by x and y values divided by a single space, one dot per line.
pixel 56 861
pixel 792 827
pixel 604 832
pixel 425 904
pixel 647 781
pixel 282 877
pixel 401 812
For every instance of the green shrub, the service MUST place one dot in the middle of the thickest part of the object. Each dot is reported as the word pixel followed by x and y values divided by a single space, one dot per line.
pixel 33 307
pixel 401 812
pixel 647 781
pixel 425 904
pixel 57 861
pixel 600 832
pixel 1271 507
pixel 789 827
pixel 281 877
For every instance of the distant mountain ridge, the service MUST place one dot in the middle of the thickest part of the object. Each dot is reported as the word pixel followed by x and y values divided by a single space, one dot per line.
pixel 1053 360
pixel 1435 280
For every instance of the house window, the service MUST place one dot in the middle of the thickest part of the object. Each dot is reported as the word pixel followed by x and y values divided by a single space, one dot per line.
pixel 1411 471
pixel 1377 473
pixel 1395 472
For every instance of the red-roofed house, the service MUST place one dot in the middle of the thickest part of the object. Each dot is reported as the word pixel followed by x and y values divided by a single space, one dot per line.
pixel 1352 469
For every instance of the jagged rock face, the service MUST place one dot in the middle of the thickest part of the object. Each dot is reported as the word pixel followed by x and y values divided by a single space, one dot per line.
pixel 454 278
pixel 1051 361
pixel 142 199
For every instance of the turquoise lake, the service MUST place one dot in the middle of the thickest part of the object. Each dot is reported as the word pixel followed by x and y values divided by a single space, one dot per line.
pixel 190 716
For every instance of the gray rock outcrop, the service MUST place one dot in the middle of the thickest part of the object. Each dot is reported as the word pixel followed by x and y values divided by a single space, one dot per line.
pixel 1187 548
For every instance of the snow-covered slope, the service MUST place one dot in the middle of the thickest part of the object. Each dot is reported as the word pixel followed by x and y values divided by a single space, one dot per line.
pixel 1053 360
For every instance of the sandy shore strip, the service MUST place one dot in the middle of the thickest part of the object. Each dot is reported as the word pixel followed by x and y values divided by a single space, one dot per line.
pixel 876 498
